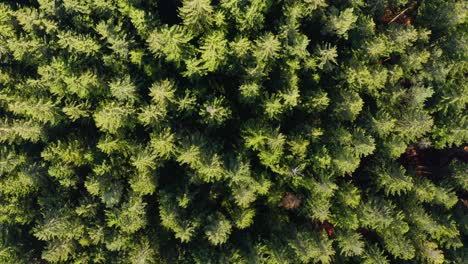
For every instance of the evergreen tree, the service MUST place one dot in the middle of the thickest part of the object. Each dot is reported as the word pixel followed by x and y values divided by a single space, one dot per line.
pixel 233 131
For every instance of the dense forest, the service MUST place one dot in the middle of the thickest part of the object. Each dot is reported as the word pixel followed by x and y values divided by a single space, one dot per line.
pixel 234 131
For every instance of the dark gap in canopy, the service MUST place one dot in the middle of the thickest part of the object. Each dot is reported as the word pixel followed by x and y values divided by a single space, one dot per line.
pixel 168 10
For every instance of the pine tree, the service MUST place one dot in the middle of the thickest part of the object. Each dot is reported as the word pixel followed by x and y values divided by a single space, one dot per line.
pixel 218 229
pixel 233 131
pixel 197 15
pixel 172 43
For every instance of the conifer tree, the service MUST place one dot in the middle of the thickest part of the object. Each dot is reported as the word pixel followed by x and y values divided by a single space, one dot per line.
pixel 233 131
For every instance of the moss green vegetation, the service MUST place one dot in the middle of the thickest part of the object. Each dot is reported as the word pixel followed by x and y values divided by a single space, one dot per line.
pixel 232 131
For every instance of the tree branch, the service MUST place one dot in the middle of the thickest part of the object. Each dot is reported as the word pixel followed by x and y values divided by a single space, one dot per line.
pixel 397 16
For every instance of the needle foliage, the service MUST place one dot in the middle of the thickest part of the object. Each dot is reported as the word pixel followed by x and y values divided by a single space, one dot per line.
pixel 232 131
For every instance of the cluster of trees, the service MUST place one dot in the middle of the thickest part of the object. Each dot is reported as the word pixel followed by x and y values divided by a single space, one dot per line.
pixel 231 131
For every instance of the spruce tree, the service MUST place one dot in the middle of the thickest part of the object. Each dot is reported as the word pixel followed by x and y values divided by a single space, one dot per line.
pixel 233 131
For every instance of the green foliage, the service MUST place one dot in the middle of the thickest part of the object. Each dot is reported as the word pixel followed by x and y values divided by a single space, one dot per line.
pixel 393 179
pixel 351 244
pixel 170 42
pixel 78 44
pixel 218 229
pixel 130 218
pixel 312 247
pixel 233 131
pixel 20 130
pixel 197 15
pixel 123 89
pixel 340 22
pixel 215 112
pixel 40 111
pixel 213 53
pixel 112 117
pixel 375 255
pixel 460 170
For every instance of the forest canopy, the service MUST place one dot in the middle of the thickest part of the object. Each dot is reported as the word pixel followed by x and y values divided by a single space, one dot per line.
pixel 233 131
